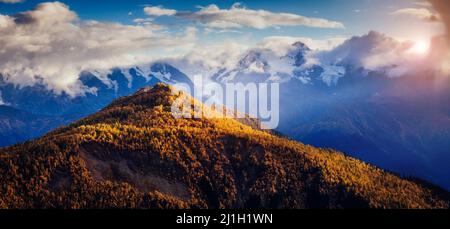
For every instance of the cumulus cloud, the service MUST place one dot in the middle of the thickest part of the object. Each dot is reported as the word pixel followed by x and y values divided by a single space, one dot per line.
pixel 158 11
pixel 208 59
pixel 212 60
pixel 50 45
pixel 11 1
pixel 370 52
pixel 280 44
pixel 420 13
pixel 374 52
pixel 238 16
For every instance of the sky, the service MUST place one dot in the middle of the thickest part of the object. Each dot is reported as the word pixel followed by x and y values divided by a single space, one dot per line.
pixel 358 16
pixel 52 42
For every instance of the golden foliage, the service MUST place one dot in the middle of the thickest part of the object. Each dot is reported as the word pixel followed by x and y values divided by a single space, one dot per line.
pixel 218 163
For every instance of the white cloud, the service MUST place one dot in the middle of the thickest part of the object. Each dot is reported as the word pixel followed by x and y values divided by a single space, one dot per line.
pixel 143 20
pixel 5 21
pixel 209 30
pixel 149 24
pixel 422 3
pixel 280 44
pixel 375 52
pixel 11 1
pixel 50 45
pixel 158 11
pixel 370 52
pixel 207 59
pixel 420 13
pixel 238 16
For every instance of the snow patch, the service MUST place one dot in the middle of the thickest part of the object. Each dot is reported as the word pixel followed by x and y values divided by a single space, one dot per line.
pixel 1 99
pixel 126 73
pixel 332 73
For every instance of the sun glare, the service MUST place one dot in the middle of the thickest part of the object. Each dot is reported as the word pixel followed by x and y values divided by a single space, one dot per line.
pixel 420 47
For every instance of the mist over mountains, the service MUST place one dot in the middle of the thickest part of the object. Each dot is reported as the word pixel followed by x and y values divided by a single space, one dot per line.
pixel 24 112
pixel 362 103
pixel 367 97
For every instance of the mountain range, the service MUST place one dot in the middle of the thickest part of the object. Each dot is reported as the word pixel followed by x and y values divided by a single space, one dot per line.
pixel 401 124
pixel 36 110
pixel 135 154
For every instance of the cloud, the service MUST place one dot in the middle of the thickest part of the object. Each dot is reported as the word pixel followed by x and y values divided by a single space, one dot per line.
pixel 374 52
pixel 422 3
pixel 149 23
pixel 209 30
pixel 238 16
pixel 420 13
pixel 12 1
pixel 280 44
pixel 371 52
pixel 50 45
pixel 158 11
pixel 208 59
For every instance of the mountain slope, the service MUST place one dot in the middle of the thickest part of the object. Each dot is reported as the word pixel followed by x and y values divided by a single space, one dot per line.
pixel 58 109
pixel 408 133
pixel 134 154
pixel 17 125
pixel 401 124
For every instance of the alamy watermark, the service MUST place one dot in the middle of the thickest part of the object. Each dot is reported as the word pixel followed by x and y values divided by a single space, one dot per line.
pixel 230 100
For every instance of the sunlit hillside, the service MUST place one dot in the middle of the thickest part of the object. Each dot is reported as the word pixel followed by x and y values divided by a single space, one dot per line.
pixel 135 154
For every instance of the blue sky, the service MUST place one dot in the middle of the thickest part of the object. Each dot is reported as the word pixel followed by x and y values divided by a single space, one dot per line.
pixel 358 16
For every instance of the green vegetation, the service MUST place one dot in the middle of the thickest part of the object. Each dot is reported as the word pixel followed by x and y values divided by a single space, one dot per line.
pixel 134 154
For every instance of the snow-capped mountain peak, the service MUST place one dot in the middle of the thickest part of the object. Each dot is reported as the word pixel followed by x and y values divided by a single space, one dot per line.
pixel 265 65
pixel 253 62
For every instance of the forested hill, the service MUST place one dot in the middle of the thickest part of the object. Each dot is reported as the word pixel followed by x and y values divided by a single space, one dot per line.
pixel 135 154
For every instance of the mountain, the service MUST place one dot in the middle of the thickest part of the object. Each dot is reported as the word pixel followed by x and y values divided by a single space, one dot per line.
pixel 135 154
pixel 17 125
pixel 265 65
pixel 406 134
pixel 398 123
pixel 62 108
